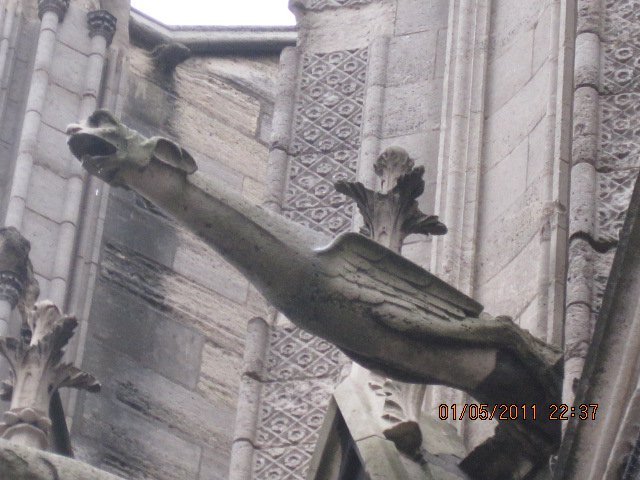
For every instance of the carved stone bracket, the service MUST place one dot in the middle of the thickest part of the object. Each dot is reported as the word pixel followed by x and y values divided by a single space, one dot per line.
pixel 392 214
pixel 167 56
pixel 101 22
pixel 59 7
pixel 37 373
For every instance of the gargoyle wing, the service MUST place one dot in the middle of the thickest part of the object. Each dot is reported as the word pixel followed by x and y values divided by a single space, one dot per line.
pixel 378 270
pixel 411 301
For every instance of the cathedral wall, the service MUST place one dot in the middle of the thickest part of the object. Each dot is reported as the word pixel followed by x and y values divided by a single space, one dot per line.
pixel 523 179
pixel 168 320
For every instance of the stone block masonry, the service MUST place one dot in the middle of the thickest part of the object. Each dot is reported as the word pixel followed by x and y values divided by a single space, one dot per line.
pixel 167 323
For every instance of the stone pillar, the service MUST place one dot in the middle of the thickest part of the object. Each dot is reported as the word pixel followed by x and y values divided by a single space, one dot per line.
pixel 9 21
pixel 102 26
pixel 51 13
pixel 244 438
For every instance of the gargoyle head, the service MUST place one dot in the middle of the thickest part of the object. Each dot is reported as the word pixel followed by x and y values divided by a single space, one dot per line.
pixel 105 147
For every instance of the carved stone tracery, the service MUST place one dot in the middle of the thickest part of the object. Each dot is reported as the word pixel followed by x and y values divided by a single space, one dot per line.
pixel 326 139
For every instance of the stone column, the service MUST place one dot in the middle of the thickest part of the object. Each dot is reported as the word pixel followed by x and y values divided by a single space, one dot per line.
pixel 102 26
pixel 51 13
pixel 9 22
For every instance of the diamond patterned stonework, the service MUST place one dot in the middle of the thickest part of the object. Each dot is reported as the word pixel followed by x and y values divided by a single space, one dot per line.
pixel 301 370
pixel 295 354
pixel 290 419
pixel 327 128
pixel 619 152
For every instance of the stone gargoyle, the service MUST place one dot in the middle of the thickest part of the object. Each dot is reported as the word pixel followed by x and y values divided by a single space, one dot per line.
pixel 382 310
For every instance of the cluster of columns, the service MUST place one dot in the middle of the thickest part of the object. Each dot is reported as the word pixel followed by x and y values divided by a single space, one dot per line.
pixel 101 25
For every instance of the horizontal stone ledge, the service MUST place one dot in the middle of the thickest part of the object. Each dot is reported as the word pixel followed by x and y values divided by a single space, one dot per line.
pixel 211 40
pixel 23 463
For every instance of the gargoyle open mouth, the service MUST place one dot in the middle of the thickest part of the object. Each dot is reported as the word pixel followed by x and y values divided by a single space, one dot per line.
pixel 86 144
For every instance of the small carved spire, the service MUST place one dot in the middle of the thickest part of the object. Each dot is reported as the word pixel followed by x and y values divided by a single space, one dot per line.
pixel 37 373
pixel 392 214
pixel 59 7
pixel 102 23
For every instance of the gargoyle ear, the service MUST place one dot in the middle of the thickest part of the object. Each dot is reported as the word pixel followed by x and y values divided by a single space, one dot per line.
pixel 168 152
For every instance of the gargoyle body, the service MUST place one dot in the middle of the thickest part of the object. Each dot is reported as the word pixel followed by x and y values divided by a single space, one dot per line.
pixel 382 310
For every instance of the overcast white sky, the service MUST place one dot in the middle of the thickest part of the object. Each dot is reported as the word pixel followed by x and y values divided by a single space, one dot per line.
pixel 217 12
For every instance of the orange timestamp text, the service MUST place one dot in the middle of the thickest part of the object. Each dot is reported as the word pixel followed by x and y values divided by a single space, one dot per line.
pixel 483 411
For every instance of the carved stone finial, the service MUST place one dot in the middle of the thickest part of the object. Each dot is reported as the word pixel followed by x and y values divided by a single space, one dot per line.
pixel 168 56
pixel 102 23
pixel 18 285
pixel 392 214
pixel 59 7
pixel 37 373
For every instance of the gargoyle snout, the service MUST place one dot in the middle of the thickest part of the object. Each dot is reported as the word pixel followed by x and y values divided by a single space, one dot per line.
pixel 73 128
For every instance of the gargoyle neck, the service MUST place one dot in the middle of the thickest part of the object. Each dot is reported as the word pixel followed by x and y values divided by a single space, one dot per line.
pixel 261 244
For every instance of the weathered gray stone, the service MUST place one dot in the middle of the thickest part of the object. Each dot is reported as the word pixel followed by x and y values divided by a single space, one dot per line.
pixel 41 232
pixel 503 183
pixel 509 72
pixel 219 374
pixel 509 234
pixel 50 153
pixel 215 463
pixel 413 107
pixel 22 463
pixel 50 188
pixel 589 16
pixel 141 393
pixel 585 125
pixel 185 300
pixel 415 16
pixel 194 260
pixel 582 217
pixel 68 71
pixel 543 38
pixel 129 326
pixel 587 62
pixel 216 97
pixel 14 109
pixel 73 30
pixel 509 18
pixel 507 127
pixel 326 32
pixel 511 289
pixel 412 58
pixel 580 273
pixel 139 229
pixel 127 444
pixel 60 107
